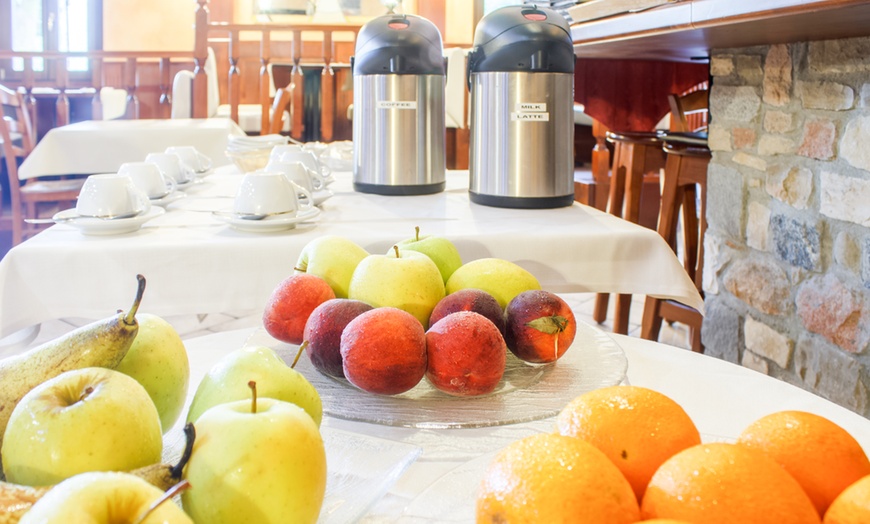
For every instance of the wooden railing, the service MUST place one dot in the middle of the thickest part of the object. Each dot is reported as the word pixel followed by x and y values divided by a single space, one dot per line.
pixel 128 70
pixel 319 49
pixel 300 48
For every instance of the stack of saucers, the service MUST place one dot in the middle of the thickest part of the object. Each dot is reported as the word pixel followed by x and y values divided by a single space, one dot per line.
pixel 250 153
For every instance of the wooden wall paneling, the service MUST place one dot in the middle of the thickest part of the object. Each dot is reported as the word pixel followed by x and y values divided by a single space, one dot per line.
pixel 297 100
pixel 96 65
pixel 264 81
pixel 234 85
pixel 327 92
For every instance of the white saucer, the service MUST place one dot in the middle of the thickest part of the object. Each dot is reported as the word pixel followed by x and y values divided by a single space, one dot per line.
pixel 321 195
pixel 188 183
pixel 98 226
pixel 168 199
pixel 268 224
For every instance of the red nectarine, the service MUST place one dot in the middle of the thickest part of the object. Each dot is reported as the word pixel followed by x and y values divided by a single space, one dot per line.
pixel 466 354
pixel 323 333
pixel 539 326
pixel 384 351
pixel 291 303
pixel 469 299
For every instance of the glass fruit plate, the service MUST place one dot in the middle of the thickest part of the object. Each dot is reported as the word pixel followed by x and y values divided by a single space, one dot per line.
pixel 526 392
pixel 360 470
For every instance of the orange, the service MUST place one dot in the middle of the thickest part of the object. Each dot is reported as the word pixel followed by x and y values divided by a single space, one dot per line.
pixel 726 483
pixel 551 478
pixel 664 521
pixel 822 456
pixel 852 506
pixel 637 428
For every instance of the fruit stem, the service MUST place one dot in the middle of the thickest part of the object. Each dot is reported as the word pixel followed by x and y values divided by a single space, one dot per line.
pixel 299 353
pixel 253 385
pixel 417 233
pixel 396 249
pixel 189 437
pixel 88 390
pixel 130 319
pixel 171 492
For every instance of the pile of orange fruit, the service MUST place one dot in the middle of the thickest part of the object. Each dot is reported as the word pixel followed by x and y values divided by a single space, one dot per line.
pixel 628 454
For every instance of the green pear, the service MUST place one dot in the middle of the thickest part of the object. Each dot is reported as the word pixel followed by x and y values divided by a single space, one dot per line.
pixel 104 497
pixel 228 379
pixel 158 360
pixel 332 258
pixel 260 460
pixel 440 249
pixel 500 278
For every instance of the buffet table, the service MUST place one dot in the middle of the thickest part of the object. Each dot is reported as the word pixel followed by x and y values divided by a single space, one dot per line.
pixel 101 146
pixel 438 482
pixel 195 263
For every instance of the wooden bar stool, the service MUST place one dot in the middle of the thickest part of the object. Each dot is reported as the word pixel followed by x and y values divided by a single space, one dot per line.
pixel 684 189
pixel 637 159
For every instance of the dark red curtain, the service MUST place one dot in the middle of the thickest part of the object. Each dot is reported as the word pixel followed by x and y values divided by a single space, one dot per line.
pixel 631 95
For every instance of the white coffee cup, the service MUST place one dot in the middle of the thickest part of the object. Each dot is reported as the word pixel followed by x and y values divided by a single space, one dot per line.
pixel 149 178
pixel 111 195
pixel 297 172
pixel 191 157
pixel 170 164
pixel 264 193
pixel 283 149
pixel 311 162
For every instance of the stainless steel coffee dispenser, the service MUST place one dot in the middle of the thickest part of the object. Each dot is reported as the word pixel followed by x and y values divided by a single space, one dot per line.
pixel 398 100
pixel 521 77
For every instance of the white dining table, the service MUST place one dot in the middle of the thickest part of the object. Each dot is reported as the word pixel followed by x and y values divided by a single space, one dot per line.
pixel 438 483
pixel 101 146
pixel 195 263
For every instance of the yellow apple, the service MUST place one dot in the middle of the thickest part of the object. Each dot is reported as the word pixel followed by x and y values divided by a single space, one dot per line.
pixel 500 278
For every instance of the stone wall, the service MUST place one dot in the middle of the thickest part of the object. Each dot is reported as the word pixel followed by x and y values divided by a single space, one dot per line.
pixel 787 269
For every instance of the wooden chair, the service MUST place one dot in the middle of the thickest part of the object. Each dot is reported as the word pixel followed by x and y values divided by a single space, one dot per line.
pixel 683 188
pixel 637 159
pixel 689 111
pixel 278 113
pixel 16 128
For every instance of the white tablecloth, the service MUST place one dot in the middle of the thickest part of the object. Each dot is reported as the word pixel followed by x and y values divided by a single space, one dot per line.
pixel 720 397
pixel 194 263
pixel 93 146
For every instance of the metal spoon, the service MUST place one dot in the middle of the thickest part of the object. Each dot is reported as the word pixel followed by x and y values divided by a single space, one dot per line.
pixel 70 218
pixel 251 216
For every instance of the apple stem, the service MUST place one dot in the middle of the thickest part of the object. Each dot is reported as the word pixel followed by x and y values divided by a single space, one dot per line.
pixel 189 437
pixel 396 249
pixel 299 353
pixel 88 390
pixel 167 495
pixel 130 318
pixel 417 233
pixel 253 385
pixel 299 269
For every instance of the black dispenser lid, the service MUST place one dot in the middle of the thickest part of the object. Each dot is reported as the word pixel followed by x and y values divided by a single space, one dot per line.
pixel 522 38
pixel 400 45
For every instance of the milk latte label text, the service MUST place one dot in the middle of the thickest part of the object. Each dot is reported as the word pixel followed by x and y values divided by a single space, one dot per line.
pixel 530 112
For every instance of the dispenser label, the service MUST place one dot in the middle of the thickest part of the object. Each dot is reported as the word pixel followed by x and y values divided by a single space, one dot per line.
pixel 392 104
pixel 526 116
pixel 531 111
pixel 524 107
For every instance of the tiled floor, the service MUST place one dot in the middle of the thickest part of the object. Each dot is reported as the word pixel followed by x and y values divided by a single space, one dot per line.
pixel 191 326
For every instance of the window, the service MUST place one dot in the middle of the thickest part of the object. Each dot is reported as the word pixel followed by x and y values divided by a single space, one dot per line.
pixel 53 25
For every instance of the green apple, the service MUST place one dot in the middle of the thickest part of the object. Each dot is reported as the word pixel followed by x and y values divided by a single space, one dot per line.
pixel 228 379
pixel 261 461
pixel 441 250
pixel 158 360
pixel 500 278
pixel 332 258
pixel 90 419
pixel 407 280
pixel 104 497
